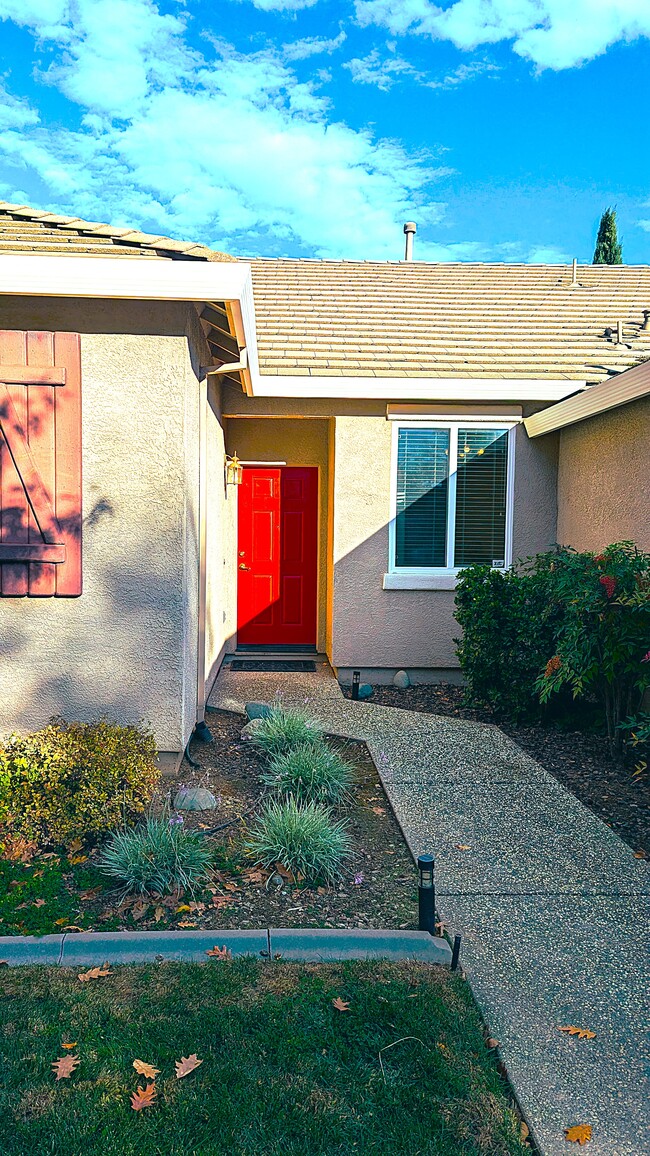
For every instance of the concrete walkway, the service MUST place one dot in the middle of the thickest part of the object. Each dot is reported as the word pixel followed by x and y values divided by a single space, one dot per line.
pixel 552 906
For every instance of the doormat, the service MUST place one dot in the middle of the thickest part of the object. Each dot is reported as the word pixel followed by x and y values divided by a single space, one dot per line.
pixel 273 666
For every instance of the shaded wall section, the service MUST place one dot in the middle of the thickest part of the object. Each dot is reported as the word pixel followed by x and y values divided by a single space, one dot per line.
pixel 604 479
pixel 298 442
pixel 126 647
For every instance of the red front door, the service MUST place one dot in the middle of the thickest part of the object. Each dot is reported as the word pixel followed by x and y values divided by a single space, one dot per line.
pixel 277 556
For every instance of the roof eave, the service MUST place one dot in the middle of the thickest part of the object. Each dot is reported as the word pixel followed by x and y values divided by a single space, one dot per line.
pixel 629 385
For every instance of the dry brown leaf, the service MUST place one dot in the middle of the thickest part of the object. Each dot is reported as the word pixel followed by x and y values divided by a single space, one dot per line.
pixel 75 860
pixel 158 914
pixel 186 923
pixel 143 1098
pixel 72 927
pixel 139 909
pixel 68 1046
pixel 378 810
pixel 75 846
pixel 578 1134
pixel 95 973
pixel 524 1130
pixel 340 1004
pixel 219 901
pixel 197 908
pixel 255 876
pixel 146 1069
pixel 91 893
pixel 581 1033
pixel 491 1042
pixel 39 903
pixel 640 855
pixel 65 1066
pixel 462 846
pixel 186 1064
pixel 219 952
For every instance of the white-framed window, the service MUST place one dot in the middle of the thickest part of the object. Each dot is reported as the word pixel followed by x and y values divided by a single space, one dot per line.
pixel 452 497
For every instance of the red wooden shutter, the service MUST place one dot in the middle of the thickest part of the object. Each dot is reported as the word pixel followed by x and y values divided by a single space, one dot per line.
pixel 40 464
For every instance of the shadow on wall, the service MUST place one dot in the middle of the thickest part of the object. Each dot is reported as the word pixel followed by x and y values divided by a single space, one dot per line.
pixel 115 651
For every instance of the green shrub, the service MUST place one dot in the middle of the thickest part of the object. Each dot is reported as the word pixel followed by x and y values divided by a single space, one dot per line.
pixel 310 772
pixel 73 780
pixel 509 624
pixel 158 855
pixel 301 836
pixel 282 730
pixel 601 644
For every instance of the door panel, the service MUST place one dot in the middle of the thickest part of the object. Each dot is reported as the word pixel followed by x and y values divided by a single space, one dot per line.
pixel 277 556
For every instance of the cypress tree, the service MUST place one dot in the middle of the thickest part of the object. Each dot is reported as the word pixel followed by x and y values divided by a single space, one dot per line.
pixel 609 250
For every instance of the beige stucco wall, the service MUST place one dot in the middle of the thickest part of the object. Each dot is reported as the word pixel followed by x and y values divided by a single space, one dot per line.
pixel 127 647
pixel 302 442
pixel 373 627
pixel 221 543
pixel 604 479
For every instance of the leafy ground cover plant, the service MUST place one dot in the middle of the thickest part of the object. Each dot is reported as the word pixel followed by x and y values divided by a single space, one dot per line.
pixel 74 780
pixel 602 642
pixel 310 772
pixel 303 837
pixel 159 855
pixel 284 1072
pixel 282 730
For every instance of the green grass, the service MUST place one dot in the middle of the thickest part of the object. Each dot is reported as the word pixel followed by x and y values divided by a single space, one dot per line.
pixel 22 886
pixel 283 1074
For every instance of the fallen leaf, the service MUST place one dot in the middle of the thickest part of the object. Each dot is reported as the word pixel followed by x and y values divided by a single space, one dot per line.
pixel 75 860
pixel 340 1004
pixel 524 1130
pixel 37 874
pixel 39 903
pixel 579 1134
pixel 146 1069
pixel 91 893
pixel 219 952
pixel 221 901
pixel 75 846
pixel 491 1042
pixel 462 846
pixel 378 810
pixel 72 927
pixel 59 922
pixel 96 973
pixel 186 923
pixel 143 1098
pixel 255 877
pixel 65 1066
pixel 158 914
pixel 4 963
pixel 139 909
pixel 183 907
pixel 68 1046
pixel 197 908
pixel 186 1064
pixel 581 1033
pixel 640 855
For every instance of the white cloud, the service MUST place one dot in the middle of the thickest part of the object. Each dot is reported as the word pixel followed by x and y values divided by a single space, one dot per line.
pixel 283 5
pixel 551 33
pixel 15 113
pixel 463 73
pixel 312 46
pixel 547 255
pixel 233 149
pixel 380 71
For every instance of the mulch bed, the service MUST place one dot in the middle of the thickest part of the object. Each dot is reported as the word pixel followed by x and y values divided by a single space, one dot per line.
pixel 580 760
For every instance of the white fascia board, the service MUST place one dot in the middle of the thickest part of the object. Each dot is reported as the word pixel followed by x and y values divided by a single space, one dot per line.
pixel 630 385
pixel 125 278
pixel 413 388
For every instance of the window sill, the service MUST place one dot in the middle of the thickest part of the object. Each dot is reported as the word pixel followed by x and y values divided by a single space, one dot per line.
pixel 419 582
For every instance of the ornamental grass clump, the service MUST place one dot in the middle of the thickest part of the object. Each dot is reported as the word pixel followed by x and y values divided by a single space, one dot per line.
pixel 303 837
pixel 310 772
pixel 158 855
pixel 282 730
pixel 73 780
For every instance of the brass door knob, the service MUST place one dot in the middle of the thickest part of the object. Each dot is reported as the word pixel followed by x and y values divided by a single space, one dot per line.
pixel 243 566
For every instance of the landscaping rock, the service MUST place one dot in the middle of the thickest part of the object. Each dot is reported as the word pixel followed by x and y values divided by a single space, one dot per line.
pixel 257 710
pixel 401 680
pixel 365 690
pixel 195 799
pixel 251 728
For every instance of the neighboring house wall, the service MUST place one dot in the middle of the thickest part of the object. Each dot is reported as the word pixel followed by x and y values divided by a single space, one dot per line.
pixel 604 479
pixel 126 647
pixel 298 443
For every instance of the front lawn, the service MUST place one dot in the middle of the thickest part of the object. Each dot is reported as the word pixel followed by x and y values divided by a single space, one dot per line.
pixel 283 1072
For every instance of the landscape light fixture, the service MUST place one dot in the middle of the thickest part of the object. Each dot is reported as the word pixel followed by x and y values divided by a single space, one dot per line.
pixel 426 894
pixel 234 470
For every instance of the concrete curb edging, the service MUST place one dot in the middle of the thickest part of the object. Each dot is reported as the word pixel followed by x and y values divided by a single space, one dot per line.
pixel 309 945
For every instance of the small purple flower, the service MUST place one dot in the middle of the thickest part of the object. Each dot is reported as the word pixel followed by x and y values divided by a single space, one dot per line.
pixel 358 879
pixel 175 820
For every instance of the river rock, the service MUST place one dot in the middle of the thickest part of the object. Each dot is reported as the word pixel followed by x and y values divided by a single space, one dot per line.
pixel 257 710
pixel 194 799
pixel 401 680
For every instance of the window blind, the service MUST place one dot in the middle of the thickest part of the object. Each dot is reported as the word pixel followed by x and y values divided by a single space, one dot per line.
pixel 480 531
pixel 422 493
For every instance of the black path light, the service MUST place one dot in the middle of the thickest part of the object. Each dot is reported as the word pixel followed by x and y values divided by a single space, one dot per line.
pixel 356 677
pixel 426 894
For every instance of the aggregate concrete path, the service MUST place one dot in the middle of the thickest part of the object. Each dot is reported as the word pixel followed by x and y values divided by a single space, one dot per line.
pixel 552 906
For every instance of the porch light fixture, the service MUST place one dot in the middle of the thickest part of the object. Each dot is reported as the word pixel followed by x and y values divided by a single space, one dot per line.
pixel 426 894
pixel 234 470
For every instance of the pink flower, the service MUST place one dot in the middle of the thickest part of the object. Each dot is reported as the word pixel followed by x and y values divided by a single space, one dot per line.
pixel 646 657
pixel 608 583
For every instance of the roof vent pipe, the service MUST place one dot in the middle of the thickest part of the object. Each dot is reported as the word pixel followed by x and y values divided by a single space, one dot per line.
pixel 574 274
pixel 410 229
pixel 646 319
pixel 619 332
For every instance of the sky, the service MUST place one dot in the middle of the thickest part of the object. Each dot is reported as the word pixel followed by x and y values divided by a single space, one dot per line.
pixel 315 128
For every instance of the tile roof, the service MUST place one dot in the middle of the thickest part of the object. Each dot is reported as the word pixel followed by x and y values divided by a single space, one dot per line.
pixel 398 319
pixel 26 230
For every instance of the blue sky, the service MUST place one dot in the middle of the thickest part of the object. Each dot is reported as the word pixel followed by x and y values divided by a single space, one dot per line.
pixel 316 128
